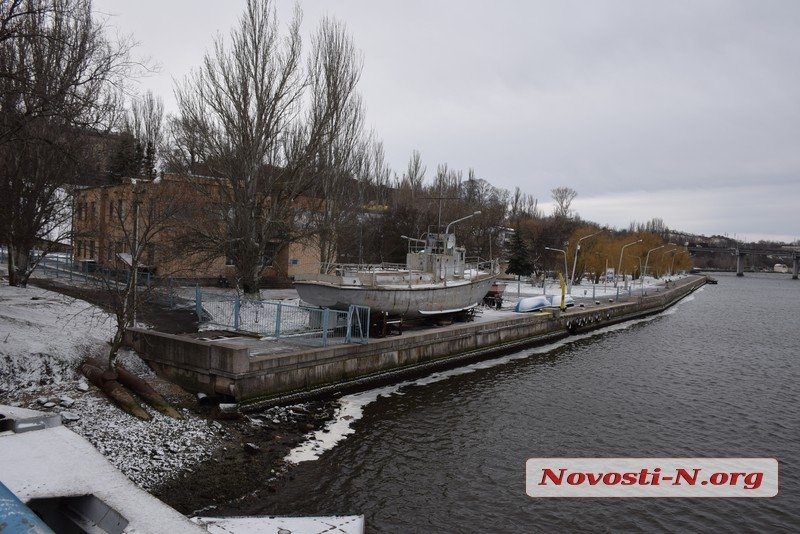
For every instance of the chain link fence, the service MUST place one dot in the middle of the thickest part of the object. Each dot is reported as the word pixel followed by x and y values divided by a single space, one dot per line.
pixel 302 324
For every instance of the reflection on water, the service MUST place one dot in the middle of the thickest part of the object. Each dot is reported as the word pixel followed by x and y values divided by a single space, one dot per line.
pixel 714 377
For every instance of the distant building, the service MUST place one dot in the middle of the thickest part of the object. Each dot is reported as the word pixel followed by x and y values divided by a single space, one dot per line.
pixel 105 219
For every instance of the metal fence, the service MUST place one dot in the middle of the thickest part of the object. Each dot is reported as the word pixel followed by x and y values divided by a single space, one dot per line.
pixel 297 323
pixel 286 321
pixel 59 265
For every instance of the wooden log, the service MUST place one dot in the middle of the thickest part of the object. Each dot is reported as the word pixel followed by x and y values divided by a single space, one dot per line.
pixel 115 391
pixel 146 392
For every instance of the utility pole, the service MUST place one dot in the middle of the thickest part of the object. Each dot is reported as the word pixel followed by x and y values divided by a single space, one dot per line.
pixel 134 258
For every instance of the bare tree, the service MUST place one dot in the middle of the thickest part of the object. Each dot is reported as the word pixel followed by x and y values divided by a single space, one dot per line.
pixel 372 196
pixel 334 70
pixel 381 173
pixel 145 121
pixel 59 78
pixel 182 149
pixel 408 193
pixel 563 197
pixel 35 203
pixel 261 146
pixel 523 206
pixel 414 177
pixel 152 214
pixel 478 233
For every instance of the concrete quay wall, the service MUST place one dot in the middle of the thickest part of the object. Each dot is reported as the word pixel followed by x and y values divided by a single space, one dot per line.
pixel 195 364
pixel 226 368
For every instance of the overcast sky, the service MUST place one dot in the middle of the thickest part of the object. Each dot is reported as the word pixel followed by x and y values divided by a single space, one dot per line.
pixel 688 111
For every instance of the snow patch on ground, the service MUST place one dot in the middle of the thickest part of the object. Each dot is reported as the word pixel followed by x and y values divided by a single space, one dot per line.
pixel 147 452
pixel 44 337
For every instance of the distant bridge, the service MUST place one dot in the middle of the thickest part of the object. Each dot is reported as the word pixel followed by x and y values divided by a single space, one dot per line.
pixel 741 253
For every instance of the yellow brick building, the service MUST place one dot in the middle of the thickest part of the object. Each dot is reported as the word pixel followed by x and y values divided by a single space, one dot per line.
pixel 159 212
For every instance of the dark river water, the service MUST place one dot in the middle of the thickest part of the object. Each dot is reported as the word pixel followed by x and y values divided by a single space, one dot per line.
pixel 715 376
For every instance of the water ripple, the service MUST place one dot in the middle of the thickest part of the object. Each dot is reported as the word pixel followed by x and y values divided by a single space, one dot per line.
pixel 714 377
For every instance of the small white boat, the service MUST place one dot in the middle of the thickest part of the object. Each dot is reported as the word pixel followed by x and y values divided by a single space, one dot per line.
pixel 530 304
pixel 436 279
pixel 555 301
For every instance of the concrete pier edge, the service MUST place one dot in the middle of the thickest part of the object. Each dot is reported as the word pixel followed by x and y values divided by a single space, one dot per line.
pixel 223 368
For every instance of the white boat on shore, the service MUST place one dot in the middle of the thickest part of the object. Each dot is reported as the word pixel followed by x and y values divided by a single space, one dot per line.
pixel 436 279
pixel 555 301
pixel 531 304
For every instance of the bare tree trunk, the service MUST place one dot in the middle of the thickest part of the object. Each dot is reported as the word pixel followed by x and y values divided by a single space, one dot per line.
pixel 59 78
pixel 263 147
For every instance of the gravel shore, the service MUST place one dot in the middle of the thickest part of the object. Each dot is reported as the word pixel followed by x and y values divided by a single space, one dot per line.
pixel 206 460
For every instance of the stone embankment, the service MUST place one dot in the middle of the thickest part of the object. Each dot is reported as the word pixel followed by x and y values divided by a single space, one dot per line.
pixel 268 372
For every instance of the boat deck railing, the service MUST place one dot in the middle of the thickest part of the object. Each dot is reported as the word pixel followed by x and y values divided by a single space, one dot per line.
pixel 342 268
pixel 482 265
pixel 466 268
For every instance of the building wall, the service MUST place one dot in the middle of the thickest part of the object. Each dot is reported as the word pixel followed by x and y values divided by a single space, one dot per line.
pixel 103 222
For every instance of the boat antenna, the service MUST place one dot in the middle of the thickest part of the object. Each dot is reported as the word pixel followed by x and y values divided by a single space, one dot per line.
pixel 440 198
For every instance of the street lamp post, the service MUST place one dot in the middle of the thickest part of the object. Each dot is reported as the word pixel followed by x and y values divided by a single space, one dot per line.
pixel 447 230
pixel 672 266
pixel 447 242
pixel 663 255
pixel 646 259
pixel 616 277
pixel 575 261
pixel 564 252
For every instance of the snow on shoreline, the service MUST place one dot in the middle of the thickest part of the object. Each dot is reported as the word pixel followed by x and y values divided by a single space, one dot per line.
pixel 44 336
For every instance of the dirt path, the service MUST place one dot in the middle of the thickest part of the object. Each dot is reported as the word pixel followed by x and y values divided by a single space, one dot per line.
pixel 160 317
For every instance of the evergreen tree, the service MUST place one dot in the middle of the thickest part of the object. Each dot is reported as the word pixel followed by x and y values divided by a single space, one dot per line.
pixel 126 162
pixel 519 262
pixel 149 161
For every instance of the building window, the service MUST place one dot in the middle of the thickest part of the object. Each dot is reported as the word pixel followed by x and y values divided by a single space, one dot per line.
pixel 93 210
pixel 271 251
pixel 91 248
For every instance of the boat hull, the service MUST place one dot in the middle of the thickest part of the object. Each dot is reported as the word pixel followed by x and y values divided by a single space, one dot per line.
pixel 411 301
pixel 531 304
